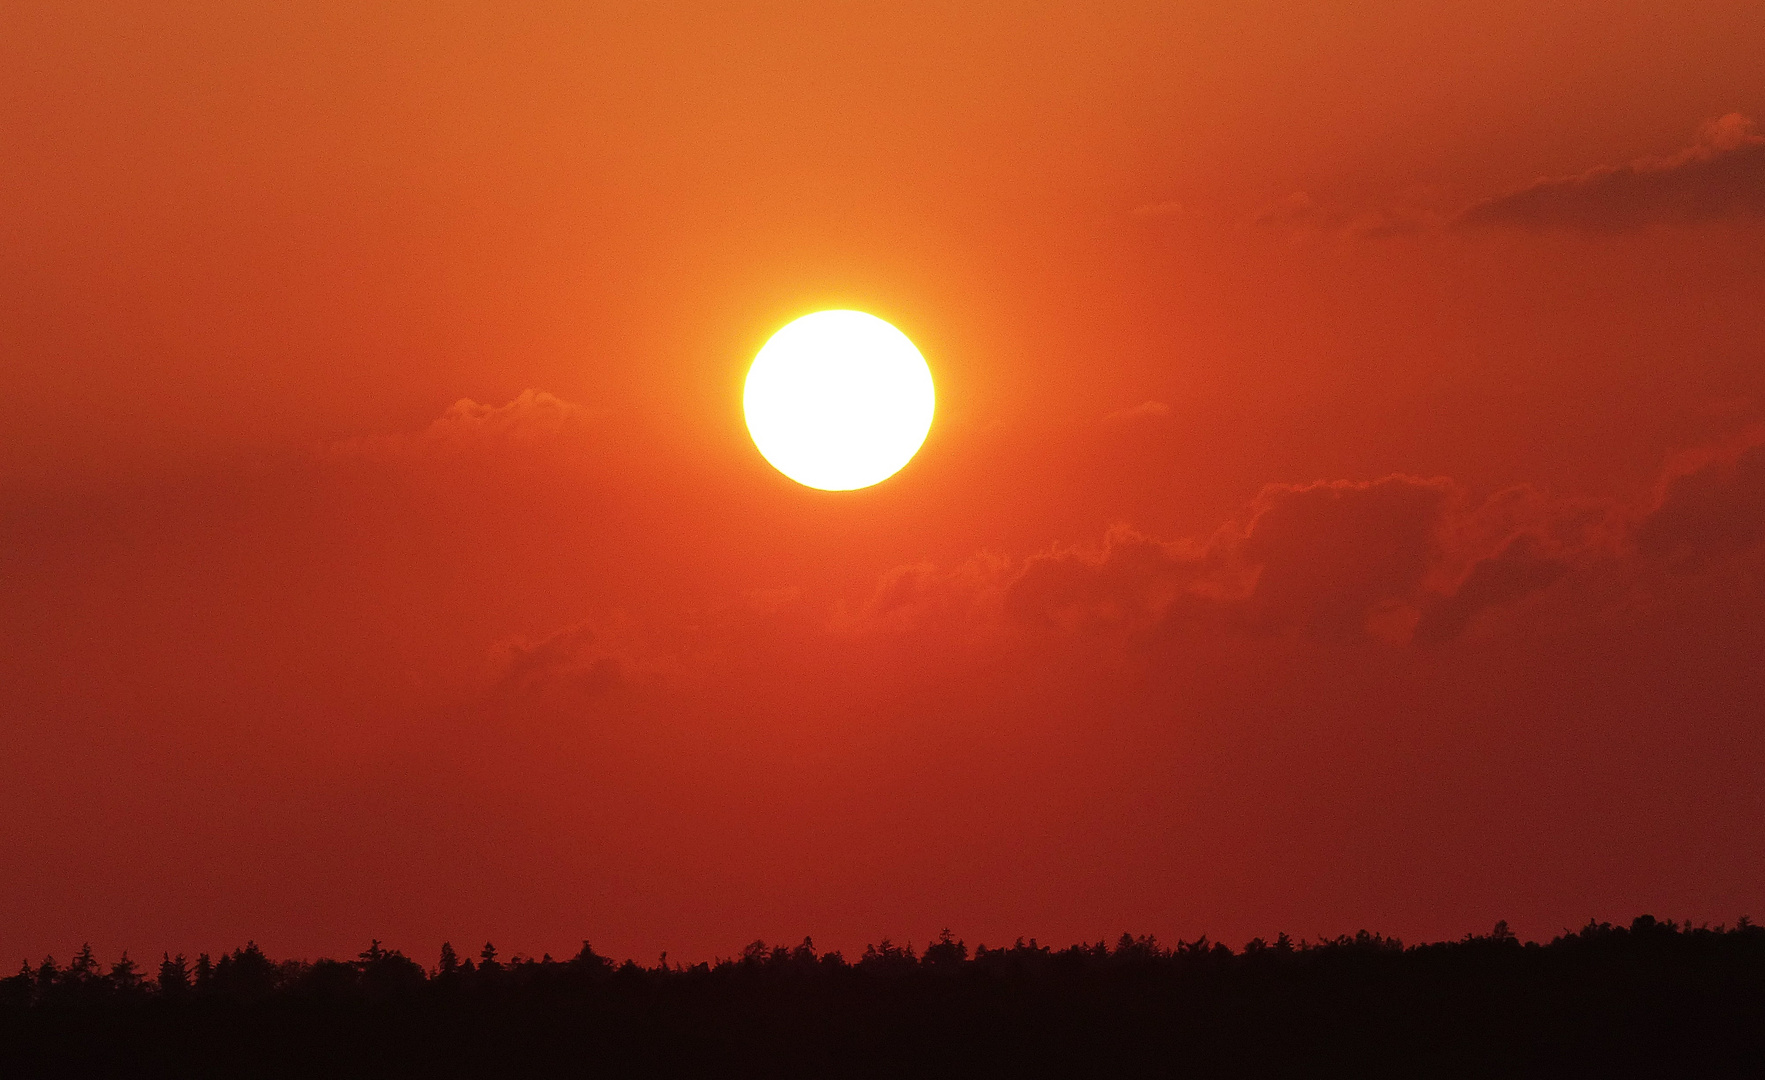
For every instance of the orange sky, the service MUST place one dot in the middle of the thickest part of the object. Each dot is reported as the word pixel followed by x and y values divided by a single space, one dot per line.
pixel 1346 506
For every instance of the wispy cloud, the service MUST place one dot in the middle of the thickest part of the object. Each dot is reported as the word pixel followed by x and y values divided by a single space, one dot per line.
pixel 1721 176
pixel 533 417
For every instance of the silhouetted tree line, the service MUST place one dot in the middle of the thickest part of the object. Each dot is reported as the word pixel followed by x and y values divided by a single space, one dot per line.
pixel 1649 999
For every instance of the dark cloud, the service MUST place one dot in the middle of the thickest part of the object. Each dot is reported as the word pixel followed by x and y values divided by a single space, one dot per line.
pixel 1132 581
pixel 569 660
pixel 1519 569
pixel 1329 555
pixel 1399 559
pixel 1711 505
pixel 911 597
pixel 1722 176
pixel 1334 560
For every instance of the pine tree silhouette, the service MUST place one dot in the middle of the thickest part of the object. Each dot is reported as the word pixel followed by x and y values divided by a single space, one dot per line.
pixel 450 961
pixel 174 976
pixel 1647 998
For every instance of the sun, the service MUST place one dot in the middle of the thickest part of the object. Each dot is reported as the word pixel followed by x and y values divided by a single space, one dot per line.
pixel 839 400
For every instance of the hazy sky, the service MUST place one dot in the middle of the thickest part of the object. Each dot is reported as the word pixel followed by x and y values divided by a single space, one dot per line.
pixel 1346 505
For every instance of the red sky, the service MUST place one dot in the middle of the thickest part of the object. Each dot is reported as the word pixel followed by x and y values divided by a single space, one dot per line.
pixel 1346 505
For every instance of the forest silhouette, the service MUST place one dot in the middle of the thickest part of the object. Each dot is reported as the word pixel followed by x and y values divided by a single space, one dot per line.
pixel 1653 998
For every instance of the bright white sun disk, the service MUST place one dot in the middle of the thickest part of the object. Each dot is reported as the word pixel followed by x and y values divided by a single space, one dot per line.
pixel 839 400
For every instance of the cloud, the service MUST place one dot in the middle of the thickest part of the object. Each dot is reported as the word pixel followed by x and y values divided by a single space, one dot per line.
pixel 1397 559
pixel 1294 209
pixel 1300 214
pixel 570 660
pixel 533 417
pixel 1330 554
pixel 1131 582
pixel 1721 176
pixel 1520 568
pixel 1333 560
pixel 1710 503
pixel 535 414
pixel 909 598
pixel 1390 221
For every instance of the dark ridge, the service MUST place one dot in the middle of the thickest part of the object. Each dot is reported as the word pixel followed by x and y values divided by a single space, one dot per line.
pixel 1651 999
